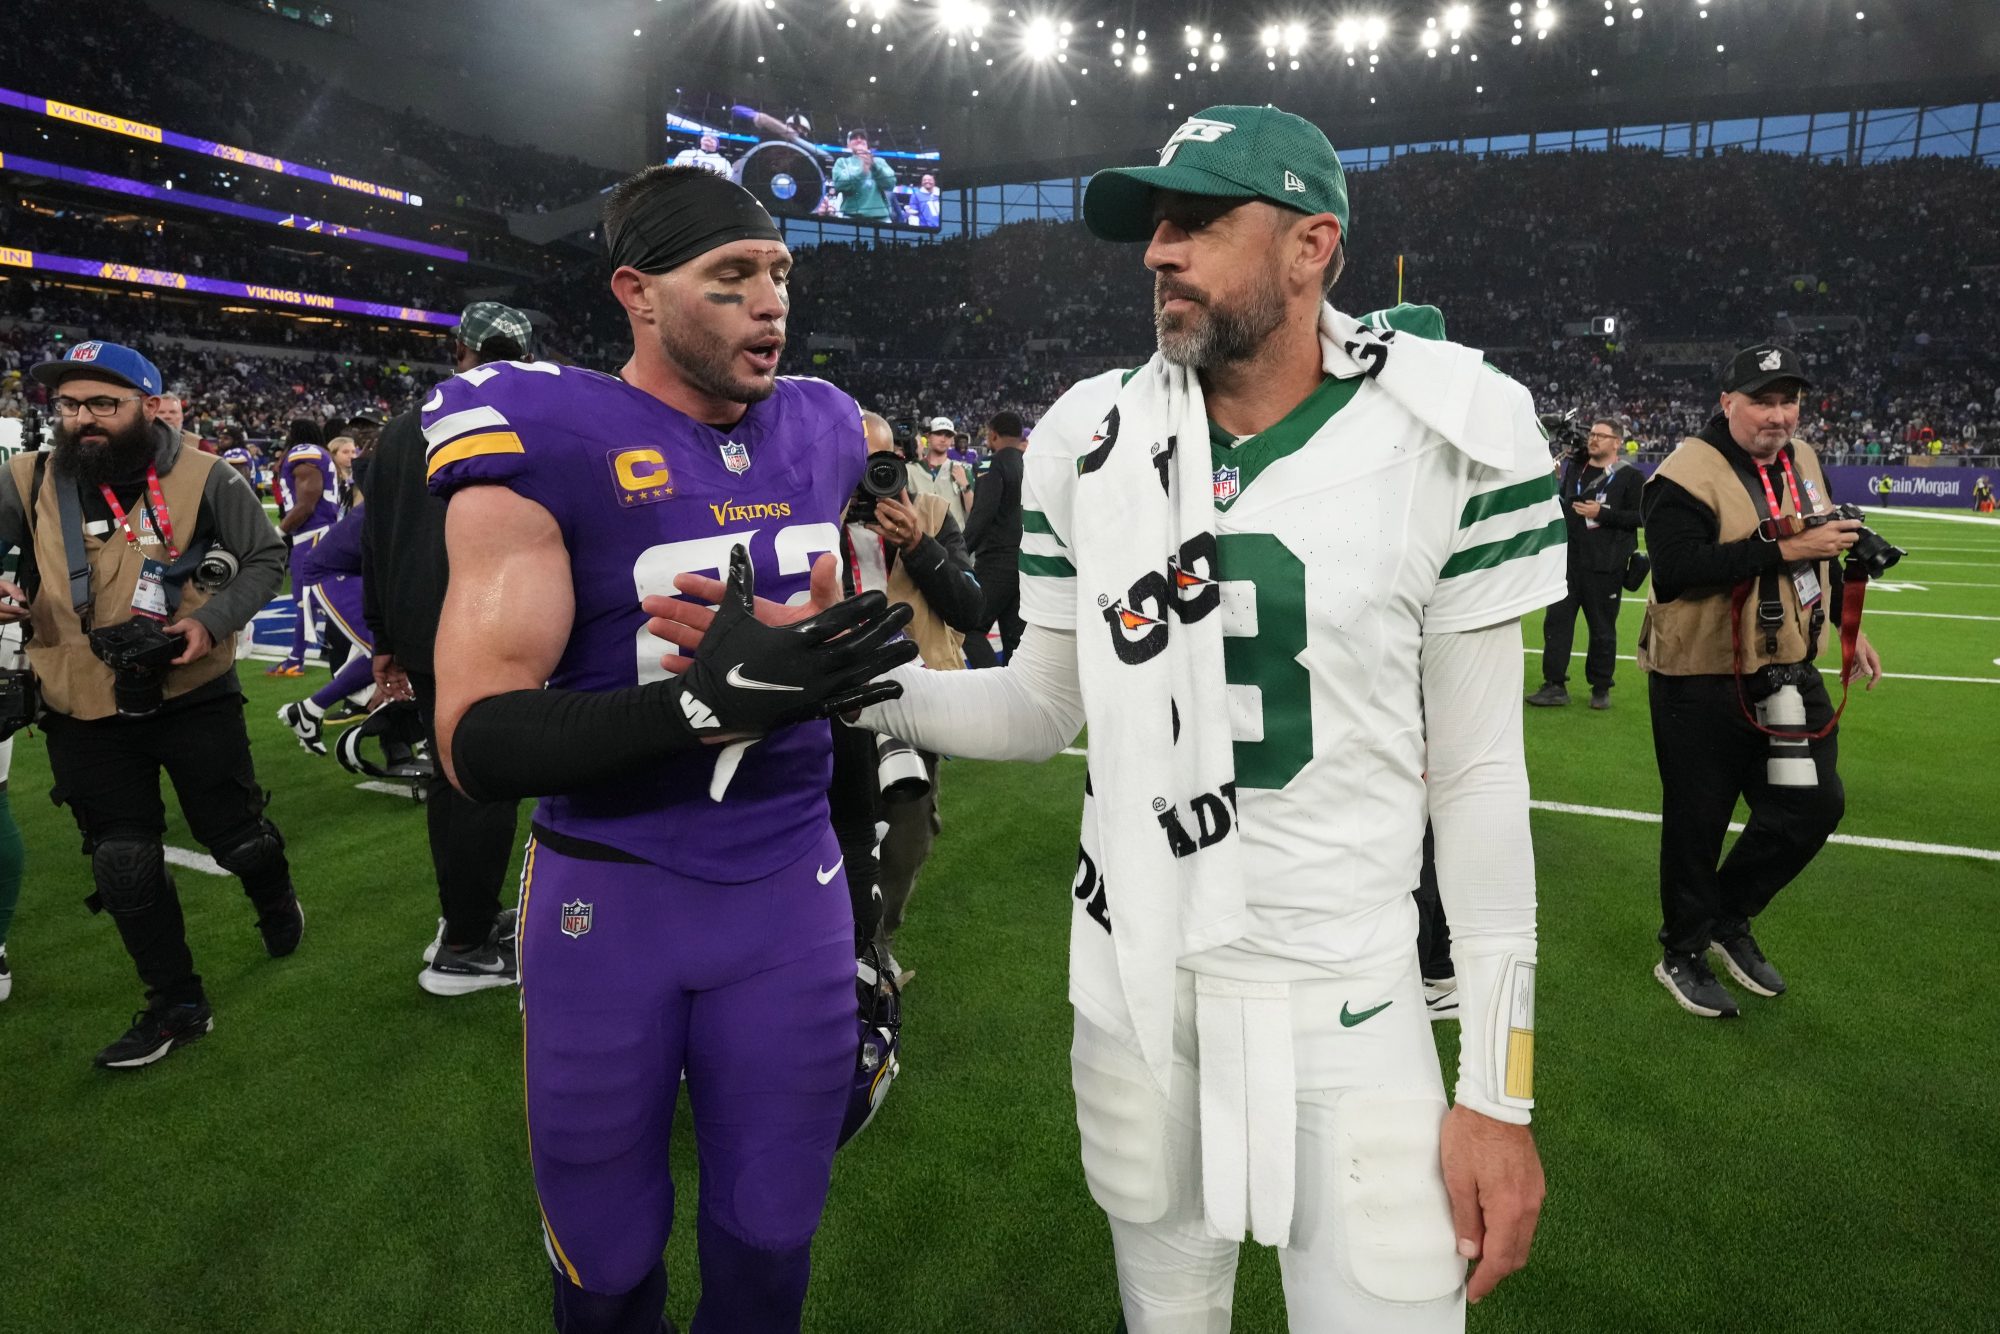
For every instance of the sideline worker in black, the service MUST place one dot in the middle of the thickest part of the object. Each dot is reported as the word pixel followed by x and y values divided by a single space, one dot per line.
pixel 1736 607
pixel 1600 502
pixel 147 559
pixel 993 536
pixel 404 573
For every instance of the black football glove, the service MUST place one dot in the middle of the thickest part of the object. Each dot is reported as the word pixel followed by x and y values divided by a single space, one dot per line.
pixel 750 678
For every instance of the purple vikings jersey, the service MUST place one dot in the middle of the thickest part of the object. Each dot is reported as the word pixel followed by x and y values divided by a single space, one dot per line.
pixel 311 456
pixel 642 493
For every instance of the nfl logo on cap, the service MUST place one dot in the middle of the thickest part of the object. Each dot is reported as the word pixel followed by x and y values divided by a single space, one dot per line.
pixel 85 351
pixel 1227 481
pixel 575 918
pixel 736 456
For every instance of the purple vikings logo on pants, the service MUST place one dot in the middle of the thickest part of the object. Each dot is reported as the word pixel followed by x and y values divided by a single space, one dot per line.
pixel 575 918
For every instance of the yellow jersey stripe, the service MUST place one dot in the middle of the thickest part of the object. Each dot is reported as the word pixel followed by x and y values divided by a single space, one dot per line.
pixel 521 924
pixel 470 446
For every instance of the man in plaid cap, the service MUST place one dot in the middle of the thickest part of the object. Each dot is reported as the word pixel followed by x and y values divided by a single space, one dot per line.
pixel 1279 571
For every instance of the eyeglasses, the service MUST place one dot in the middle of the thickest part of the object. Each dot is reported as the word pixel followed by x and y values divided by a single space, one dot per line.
pixel 104 405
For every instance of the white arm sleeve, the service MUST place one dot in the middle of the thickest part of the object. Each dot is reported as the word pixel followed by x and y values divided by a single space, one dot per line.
pixel 1478 784
pixel 1028 710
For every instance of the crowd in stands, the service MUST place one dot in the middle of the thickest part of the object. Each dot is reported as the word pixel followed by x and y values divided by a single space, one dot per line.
pixel 149 67
pixel 1886 277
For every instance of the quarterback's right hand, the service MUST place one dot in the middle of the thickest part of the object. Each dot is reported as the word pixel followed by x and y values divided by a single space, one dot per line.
pixel 751 677
pixel 13 602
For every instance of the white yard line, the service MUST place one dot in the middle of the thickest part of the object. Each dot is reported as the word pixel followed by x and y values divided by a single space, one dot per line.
pixel 1891 512
pixel 1853 840
pixel 1886 676
pixel 194 861
pixel 1961 564
pixel 1884 611
pixel 1994 551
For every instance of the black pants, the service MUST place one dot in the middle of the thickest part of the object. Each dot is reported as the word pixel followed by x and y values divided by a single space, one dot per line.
pixel 854 804
pixel 108 773
pixel 1433 931
pixel 1597 594
pixel 470 841
pixel 1002 585
pixel 1709 753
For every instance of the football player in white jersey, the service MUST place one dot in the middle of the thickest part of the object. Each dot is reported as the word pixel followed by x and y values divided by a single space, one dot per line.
pixel 706 157
pixel 1371 513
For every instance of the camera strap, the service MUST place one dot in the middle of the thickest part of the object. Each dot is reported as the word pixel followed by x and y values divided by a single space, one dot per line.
pixel 1853 593
pixel 69 507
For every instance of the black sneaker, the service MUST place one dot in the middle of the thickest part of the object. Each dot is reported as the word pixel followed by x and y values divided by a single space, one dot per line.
pixel 155 1032
pixel 1551 696
pixel 282 924
pixel 1693 987
pixel 509 924
pixel 6 975
pixel 461 972
pixel 304 726
pixel 1600 699
pixel 1747 964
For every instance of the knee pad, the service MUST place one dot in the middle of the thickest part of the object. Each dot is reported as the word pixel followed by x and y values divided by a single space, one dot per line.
pixel 1396 1241
pixel 259 850
pixel 1122 1120
pixel 130 873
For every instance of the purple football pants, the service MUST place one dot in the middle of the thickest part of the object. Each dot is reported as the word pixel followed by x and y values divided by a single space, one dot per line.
pixel 630 974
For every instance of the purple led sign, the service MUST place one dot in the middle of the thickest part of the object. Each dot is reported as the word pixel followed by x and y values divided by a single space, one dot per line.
pixel 124 185
pixel 188 282
pixel 243 157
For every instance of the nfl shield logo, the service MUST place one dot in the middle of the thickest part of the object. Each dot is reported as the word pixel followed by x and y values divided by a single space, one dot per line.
pixel 85 352
pixel 1226 482
pixel 575 919
pixel 736 456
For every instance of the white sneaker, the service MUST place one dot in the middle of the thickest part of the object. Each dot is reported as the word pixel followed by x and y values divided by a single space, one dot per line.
pixel 6 975
pixel 509 928
pixel 1441 998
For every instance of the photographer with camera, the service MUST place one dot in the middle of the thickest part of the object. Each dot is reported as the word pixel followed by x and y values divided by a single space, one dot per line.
pixel 142 560
pixel 1600 504
pixel 911 550
pixel 1745 541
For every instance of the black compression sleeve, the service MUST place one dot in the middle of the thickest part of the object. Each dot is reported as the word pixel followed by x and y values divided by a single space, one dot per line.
pixel 531 743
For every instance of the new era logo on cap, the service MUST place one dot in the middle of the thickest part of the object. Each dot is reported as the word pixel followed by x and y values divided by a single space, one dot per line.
pixel 1293 183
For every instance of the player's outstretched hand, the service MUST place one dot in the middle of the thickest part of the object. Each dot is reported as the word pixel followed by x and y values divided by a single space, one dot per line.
pixel 1494 1178
pixel 752 677
pixel 682 624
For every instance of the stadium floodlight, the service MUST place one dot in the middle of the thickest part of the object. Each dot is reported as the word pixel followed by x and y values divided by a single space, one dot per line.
pixel 1347 32
pixel 1375 29
pixel 1430 40
pixel 1118 48
pixel 1295 37
pixel 1039 41
pixel 881 8
pixel 1269 37
pixel 1544 20
pixel 956 16
pixel 1215 53
pixel 1457 19
pixel 1140 64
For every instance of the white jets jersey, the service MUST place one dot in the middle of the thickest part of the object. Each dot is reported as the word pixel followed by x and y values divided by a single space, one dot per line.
pixel 695 157
pixel 1345 534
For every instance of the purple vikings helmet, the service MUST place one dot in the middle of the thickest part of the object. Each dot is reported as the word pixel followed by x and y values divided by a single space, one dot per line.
pixel 881 1021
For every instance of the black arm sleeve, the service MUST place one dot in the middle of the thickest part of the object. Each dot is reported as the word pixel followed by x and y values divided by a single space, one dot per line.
pixel 531 743
pixel 371 593
pixel 1681 538
pixel 1621 501
pixel 942 572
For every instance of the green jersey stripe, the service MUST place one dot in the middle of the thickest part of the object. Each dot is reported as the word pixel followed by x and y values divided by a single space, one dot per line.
pixel 1049 567
pixel 1487 555
pixel 1034 521
pixel 1516 497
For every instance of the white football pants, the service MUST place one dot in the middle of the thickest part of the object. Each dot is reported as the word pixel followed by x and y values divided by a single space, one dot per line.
pixel 1372 1249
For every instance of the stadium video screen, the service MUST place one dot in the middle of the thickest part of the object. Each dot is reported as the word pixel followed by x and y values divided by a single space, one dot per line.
pixel 804 164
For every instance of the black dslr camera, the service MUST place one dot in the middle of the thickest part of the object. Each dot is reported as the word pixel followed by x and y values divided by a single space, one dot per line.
pixel 1567 436
pixel 138 652
pixel 883 479
pixel 1871 551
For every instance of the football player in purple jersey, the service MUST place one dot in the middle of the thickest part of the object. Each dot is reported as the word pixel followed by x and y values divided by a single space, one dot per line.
pixel 683 907
pixel 308 504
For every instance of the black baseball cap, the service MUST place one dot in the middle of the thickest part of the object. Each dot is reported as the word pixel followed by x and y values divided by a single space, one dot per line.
pixel 1755 369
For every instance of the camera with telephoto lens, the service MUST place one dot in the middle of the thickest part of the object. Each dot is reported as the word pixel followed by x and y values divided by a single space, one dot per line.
pixel 138 652
pixel 217 568
pixel 1790 763
pixel 900 770
pixel 883 479
pixel 1567 436
pixel 1871 551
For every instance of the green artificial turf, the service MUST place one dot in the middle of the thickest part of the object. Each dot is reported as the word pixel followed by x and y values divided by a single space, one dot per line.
pixel 345 1152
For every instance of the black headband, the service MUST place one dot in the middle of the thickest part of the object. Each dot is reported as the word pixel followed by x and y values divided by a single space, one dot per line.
pixel 672 224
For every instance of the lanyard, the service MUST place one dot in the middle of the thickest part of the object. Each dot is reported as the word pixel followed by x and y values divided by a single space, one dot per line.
pixel 1791 485
pixel 158 508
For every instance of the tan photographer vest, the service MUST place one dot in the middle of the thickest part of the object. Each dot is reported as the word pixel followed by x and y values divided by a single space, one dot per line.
pixel 74 682
pixel 1691 636
pixel 941 647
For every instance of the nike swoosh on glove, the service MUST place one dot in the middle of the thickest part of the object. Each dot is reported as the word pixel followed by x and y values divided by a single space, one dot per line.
pixel 750 678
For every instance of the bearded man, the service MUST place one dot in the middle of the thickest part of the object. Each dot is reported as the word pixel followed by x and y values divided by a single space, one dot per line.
pixel 134 648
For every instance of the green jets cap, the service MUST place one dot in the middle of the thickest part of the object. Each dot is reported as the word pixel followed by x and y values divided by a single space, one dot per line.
pixel 1229 152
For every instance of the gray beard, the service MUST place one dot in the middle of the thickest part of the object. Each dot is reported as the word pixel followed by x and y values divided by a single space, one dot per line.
pixel 1218 335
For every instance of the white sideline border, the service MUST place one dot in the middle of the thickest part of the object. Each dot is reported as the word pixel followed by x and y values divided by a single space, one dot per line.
pixel 1886 676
